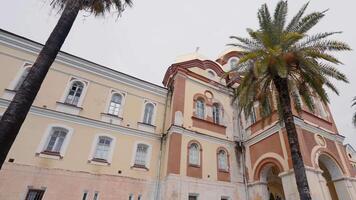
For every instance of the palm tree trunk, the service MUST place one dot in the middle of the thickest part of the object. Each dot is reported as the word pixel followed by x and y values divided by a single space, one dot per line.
pixel 298 164
pixel 16 112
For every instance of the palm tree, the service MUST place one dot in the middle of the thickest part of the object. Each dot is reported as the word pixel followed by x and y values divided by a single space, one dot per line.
pixel 354 117
pixel 16 112
pixel 281 60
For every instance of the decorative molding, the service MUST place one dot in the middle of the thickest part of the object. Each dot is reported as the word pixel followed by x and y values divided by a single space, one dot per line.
pixel 24 44
pixel 85 121
pixel 198 135
pixel 252 139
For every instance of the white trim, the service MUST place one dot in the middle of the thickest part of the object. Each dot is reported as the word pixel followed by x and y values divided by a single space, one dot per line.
pixel 145 102
pixel 34 48
pixel 134 151
pixel 19 73
pixel 47 134
pixel 70 81
pixel 123 100
pixel 95 142
pixel 52 114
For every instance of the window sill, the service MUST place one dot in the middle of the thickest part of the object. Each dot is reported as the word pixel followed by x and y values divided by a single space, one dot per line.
pixel 146 127
pixel 111 119
pixel 9 94
pixel 208 125
pixel 193 165
pixel 223 171
pixel 68 108
pixel 139 167
pixel 50 154
pixel 99 161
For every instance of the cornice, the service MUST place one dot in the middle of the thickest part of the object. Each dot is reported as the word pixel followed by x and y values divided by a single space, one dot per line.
pixel 196 134
pixel 29 46
pixel 85 121
pixel 253 139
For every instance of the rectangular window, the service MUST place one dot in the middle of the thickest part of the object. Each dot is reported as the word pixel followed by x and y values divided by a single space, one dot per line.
pixel 33 194
pixel 141 154
pixel 131 197
pixel 225 198
pixel 96 196
pixel 85 195
pixel 102 148
pixel 193 197
pixel 56 140
pixel 139 197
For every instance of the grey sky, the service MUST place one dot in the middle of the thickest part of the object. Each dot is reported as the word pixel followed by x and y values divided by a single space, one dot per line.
pixel 149 36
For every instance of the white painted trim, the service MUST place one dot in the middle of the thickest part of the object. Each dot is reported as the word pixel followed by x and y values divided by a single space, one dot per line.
pixel 34 48
pixel 69 84
pixel 149 153
pixel 47 134
pixel 123 100
pixel 19 73
pixel 95 142
pixel 201 136
pixel 145 102
pixel 52 114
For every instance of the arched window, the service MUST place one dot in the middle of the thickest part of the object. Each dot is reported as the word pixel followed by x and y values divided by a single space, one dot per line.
pixel 222 160
pixel 233 63
pixel 22 78
pixel 200 108
pixel 56 139
pixel 216 113
pixel 115 104
pixel 102 148
pixel 148 113
pixel 141 155
pixel 194 154
pixel 74 93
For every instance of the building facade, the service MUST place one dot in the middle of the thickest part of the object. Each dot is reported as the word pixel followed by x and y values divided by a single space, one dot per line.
pixel 95 133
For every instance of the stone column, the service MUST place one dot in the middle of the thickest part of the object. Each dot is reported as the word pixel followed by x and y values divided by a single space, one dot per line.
pixel 258 190
pixel 289 185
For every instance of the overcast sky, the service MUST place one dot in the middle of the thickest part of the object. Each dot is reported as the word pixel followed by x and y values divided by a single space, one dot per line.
pixel 149 36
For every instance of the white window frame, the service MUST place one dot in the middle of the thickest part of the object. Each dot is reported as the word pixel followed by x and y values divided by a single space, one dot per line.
pixel 15 81
pixel 43 143
pixel 71 80
pixel 146 101
pixel 220 112
pixel 227 160
pixel 94 144
pixel 111 93
pixel 149 153
pixel 97 195
pixel 204 108
pixel 199 154
pixel 229 61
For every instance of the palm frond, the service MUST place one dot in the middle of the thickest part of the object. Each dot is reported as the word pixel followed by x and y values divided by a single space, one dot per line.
pixel 295 20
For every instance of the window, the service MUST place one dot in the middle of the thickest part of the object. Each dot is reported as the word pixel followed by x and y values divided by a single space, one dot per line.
pixel 139 197
pixel 200 109
pixel 193 197
pixel 194 154
pixel 252 118
pixel 96 196
pixel 74 93
pixel 34 194
pixel 131 197
pixel 22 78
pixel 56 139
pixel 148 113
pixel 211 74
pixel 141 154
pixel 225 198
pixel 115 104
pixel 233 63
pixel 85 195
pixel 216 113
pixel 102 148
pixel 222 160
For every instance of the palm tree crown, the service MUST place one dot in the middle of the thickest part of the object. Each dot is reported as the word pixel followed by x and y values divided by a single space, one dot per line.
pixel 97 7
pixel 287 52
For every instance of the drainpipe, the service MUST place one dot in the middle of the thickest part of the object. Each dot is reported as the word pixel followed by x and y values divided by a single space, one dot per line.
pixel 163 137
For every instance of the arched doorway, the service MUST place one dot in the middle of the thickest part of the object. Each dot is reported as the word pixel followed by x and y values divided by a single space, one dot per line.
pixel 331 172
pixel 269 175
